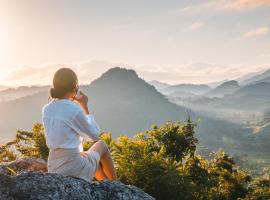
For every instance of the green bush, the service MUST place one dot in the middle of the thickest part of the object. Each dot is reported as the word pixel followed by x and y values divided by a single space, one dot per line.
pixel 161 161
pixel 27 144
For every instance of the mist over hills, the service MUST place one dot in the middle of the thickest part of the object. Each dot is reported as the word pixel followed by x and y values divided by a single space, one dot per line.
pixel 252 94
pixel 264 80
pixel 243 101
pixel 17 92
pixel 159 85
pixel 256 78
pixel 187 88
pixel 226 88
pixel 123 103
pixel 3 87
pixel 126 104
pixel 261 88
pixel 254 98
pixel 20 114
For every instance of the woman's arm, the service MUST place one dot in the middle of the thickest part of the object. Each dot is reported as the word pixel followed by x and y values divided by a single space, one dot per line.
pixel 84 122
pixel 86 126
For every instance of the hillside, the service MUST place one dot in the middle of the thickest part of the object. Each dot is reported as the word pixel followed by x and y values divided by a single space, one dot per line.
pixel 123 103
pixel 126 104
pixel 187 88
pixel 257 77
pixel 224 89
pixel 264 80
pixel 262 88
pixel 159 85
pixel 17 92
pixel 3 87
pixel 181 94
pixel 248 98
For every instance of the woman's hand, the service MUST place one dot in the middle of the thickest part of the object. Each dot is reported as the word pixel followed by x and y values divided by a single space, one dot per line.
pixel 82 101
pixel 84 153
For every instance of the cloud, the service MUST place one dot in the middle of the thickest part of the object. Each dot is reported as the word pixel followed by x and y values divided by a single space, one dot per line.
pixel 195 26
pixel 43 74
pixel 32 75
pixel 198 72
pixel 224 6
pixel 90 70
pixel 257 32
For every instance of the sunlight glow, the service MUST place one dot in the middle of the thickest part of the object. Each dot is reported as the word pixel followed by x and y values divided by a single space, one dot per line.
pixel 3 37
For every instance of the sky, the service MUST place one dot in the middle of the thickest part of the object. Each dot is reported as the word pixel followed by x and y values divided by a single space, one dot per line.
pixel 187 41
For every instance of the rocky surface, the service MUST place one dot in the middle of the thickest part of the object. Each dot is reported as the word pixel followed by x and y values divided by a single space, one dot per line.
pixel 40 186
pixel 21 165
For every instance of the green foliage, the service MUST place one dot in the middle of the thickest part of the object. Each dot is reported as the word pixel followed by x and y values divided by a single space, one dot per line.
pixel 177 139
pixel 162 161
pixel 260 190
pixel 107 137
pixel 148 168
pixel 32 144
pixel 231 183
pixel 26 144
pixel 6 154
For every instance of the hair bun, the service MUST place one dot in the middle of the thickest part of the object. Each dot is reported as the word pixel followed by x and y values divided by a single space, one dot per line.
pixel 64 81
pixel 53 93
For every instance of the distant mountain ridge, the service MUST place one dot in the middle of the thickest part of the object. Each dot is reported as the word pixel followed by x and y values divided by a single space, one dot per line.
pixel 188 88
pixel 159 85
pixel 136 104
pixel 122 103
pixel 224 89
pixel 17 92
pixel 3 87
pixel 256 78
pixel 264 80
pixel 254 97
pixel 261 88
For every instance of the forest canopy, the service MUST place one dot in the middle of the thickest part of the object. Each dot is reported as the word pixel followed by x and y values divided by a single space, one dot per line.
pixel 163 162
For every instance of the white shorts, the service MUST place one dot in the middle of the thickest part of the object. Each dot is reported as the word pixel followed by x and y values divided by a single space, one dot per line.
pixel 94 159
pixel 74 163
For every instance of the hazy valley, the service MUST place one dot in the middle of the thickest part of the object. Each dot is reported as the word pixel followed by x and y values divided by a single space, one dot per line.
pixel 233 115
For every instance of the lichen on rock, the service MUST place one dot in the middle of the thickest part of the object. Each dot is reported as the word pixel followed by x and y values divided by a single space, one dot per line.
pixel 42 186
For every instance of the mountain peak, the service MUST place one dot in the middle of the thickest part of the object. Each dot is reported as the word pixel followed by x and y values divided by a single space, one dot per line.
pixel 229 84
pixel 226 88
pixel 119 77
pixel 120 72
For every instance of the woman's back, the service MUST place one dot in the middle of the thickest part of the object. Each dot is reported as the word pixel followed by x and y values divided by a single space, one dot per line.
pixel 66 124
pixel 58 117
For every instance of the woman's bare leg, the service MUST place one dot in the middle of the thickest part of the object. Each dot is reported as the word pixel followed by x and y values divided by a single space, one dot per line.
pixel 100 174
pixel 106 161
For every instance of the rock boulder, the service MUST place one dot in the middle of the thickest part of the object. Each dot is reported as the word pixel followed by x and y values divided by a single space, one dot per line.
pixel 42 186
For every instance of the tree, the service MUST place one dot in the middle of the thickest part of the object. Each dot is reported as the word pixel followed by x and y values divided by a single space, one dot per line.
pixel 230 182
pixel 161 161
pixel 260 190
pixel 6 154
pixel 27 144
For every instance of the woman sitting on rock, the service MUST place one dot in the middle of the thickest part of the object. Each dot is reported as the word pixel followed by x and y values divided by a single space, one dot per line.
pixel 67 121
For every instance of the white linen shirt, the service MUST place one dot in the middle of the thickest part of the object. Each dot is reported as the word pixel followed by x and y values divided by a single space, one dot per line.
pixel 66 125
